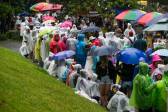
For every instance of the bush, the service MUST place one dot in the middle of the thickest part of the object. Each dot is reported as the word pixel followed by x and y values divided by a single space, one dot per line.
pixel 3 37
pixel 11 34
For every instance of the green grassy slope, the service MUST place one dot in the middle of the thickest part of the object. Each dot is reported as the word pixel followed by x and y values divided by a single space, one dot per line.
pixel 24 87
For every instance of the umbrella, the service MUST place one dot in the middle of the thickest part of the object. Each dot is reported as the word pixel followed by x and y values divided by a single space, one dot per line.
pixel 156 20
pixel 66 24
pixel 48 21
pixel 161 52
pixel 131 15
pixel 91 29
pixel 63 55
pixel 52 7
pixel 45 18
pixel 103 50
pixel 157 27
pixel 24 14
pixel 46 30
pixel 130 56
pixel 38 6
pixel 144 20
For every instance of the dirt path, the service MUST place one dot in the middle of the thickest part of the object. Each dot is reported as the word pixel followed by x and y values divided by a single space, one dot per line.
pixel 11 44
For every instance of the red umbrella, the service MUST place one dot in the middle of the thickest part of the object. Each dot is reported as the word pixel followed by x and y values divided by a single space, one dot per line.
pixel 144 20
pixel 52 7
pixel 38 6
pixel 45 18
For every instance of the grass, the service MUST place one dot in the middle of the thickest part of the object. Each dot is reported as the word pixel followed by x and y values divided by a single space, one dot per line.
pixel 24 87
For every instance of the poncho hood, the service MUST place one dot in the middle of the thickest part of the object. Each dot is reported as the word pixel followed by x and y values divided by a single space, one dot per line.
pixel 143 68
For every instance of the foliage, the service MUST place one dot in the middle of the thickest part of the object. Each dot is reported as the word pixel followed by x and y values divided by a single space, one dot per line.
pixel 11 34
pixel 25 87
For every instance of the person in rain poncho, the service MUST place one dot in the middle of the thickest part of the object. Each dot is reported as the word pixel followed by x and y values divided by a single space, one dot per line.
pixel 24 50
pixel 119 102
pixel 74 75
pixel 22 27
pixel 155 61
pixel 56 45
pixel 83 24
pixel 141 97
pixel 160 93
pixel 129 29
pixel 71 42
pixel 116 38
pixel 101 38
pixel 80 50
pixel 129 41
pixel 158 73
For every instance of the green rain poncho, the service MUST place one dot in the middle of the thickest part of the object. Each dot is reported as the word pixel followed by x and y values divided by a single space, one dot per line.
pixel 141 97
pixel 160 94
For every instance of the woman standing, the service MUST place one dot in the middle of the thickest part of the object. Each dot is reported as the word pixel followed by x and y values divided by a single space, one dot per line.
pixel 106 73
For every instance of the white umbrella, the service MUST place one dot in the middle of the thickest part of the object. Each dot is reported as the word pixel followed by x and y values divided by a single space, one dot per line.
pixel 157 27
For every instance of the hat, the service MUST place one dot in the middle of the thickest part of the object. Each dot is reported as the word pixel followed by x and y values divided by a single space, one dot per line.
pixel 156 58
pixel 92 38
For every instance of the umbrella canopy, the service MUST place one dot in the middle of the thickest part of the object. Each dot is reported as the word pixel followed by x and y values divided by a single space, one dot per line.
pixel 66 24
pixel 130 56
pixel 103 50
pixel 46 30
pixel 156 20
pixel 38 6
pixel 157 27
pixel 144 20
pixel 161 52
pixel 52 7
pixel 131 15
pixel 63 55
pixel 45 18
pixel 91 29
pixel 24 14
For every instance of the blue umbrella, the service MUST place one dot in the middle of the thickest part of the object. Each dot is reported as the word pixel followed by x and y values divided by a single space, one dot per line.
pixel 130 56
pixel 90 29
pixel 63 55
pixel 103 50
pixel 24 14
pixel 161 52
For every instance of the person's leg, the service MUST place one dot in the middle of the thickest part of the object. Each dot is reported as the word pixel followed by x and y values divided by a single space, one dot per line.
pixel 107 90
pixel 102 94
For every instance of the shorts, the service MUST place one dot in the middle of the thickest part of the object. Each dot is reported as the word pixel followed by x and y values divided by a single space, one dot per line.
pixel 105 80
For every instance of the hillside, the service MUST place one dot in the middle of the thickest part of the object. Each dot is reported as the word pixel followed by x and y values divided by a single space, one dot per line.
pixel 24 87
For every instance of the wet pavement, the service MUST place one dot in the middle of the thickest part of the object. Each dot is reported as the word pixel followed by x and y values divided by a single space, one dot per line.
pixel 11 44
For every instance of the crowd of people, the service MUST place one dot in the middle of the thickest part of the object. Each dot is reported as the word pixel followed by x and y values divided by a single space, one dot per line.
pixel 118 86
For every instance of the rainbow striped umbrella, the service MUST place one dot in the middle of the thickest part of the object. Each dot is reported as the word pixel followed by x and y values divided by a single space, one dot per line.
pixel 130 15
pixel 38 6
pixel 147 18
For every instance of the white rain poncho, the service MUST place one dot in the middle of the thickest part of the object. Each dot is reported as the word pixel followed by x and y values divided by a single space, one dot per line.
pixel 22 28
pixel 101 37
pixel 90 87
pixel 118 103
pixel 71 44
pixel 24 50
pixel 44 52
pixel 52 68
pixel 129 29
